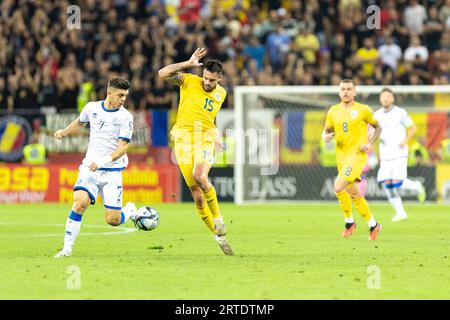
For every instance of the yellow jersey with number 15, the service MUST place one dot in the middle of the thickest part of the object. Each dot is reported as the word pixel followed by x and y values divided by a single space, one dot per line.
pixel 350 129
pixel 197 108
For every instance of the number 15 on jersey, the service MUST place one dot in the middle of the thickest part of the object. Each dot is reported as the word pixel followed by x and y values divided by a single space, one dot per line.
pixel 208 105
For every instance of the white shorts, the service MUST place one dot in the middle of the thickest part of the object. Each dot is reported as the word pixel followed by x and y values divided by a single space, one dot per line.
pixel 107 183
pixel 396 169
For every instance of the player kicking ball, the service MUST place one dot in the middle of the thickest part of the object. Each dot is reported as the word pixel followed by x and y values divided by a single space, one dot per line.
pixel 347 122
pixel 398 129
pixel 111 128
pixel 196 137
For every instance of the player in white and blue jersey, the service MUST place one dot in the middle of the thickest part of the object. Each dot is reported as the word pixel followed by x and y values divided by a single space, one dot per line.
pixel 397 130
pixel 111 129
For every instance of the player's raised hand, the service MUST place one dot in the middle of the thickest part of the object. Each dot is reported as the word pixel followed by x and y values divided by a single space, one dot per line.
pixel 196 56
pixel 59 134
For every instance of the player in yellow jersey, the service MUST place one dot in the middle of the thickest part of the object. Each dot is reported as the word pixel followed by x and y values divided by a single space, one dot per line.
pixel 347 122
pixel 196 137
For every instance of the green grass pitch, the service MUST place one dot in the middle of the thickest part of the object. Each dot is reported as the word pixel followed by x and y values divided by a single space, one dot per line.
pixel 281 252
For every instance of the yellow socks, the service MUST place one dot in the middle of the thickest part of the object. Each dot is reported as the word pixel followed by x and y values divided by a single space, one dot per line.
pixel 363 208
pixel 211 200
pixel 346 203
pixel 206 216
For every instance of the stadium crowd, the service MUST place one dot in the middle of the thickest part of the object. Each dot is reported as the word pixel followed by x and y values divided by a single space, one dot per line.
pixel 44 64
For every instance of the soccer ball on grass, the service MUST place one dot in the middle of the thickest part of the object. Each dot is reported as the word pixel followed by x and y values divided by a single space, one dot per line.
pixel 147 218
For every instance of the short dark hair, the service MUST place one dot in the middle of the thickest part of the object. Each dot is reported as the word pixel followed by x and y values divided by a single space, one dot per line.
pixel 347 81
pixel 387 90
pixel 119 83
pixel 214 66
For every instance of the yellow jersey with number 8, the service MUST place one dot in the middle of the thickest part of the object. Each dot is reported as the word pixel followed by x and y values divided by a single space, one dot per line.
pixel 350 129
pixel 197 108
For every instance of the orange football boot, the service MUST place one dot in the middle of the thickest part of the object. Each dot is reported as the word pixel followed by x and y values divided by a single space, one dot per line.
pixel 348 232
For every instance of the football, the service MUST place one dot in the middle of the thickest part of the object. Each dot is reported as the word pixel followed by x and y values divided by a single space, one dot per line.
pixel 147 218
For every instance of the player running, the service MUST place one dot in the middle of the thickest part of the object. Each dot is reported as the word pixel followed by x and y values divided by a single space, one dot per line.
pixel 347 123
pixel 195 135
pixel 111 128
pixel 398 129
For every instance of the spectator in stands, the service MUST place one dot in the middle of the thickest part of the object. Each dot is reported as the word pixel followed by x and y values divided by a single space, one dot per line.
pixel 290 25
pixel 390 53
pixel 189 10
pixel 350 17
pixel 159 97
pixel 47 96
pixel 367 57
pixel 68 83
pixel 256 51
pixel 398 30
pixel 25 90
pixel 338 50
pixel 444 12
pixel 307 45
pixel 416 53
pixel 432 30
pixel 414 17
pixel 6 99
pixel 278 44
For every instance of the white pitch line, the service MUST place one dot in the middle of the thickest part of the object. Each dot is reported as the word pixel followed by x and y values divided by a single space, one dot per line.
pixel 122 230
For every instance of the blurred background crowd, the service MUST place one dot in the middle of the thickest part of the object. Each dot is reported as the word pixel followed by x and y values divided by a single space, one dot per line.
pixel 45 65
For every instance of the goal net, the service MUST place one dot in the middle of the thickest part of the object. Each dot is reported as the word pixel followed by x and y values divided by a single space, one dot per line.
pixel 279 155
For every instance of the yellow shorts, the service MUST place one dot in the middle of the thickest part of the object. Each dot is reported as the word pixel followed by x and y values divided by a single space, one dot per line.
pixel 189 154
pixel 350 169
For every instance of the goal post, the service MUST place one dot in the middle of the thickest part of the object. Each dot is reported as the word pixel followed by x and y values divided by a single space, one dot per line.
pixel 279 155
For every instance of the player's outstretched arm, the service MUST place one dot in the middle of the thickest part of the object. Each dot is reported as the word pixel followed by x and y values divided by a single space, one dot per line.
pixel 121 149
pixel 74 126
pixel 172 72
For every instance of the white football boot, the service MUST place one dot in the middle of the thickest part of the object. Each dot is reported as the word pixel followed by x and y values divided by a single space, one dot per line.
pixel 219 226
pixel 64 253
pixel 399 217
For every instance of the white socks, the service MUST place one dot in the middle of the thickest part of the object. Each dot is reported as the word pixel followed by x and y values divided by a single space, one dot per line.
pixel 127 212
pixel 398 206
pixel 395 200
pixel 372 222
pixel 73 226
pixel 349 220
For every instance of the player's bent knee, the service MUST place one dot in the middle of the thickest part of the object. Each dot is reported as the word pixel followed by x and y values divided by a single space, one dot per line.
pixel 340 185
pixel 338 188
pixel 112 219
pixel 201 180
pixel 80 206
pixel 81 201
